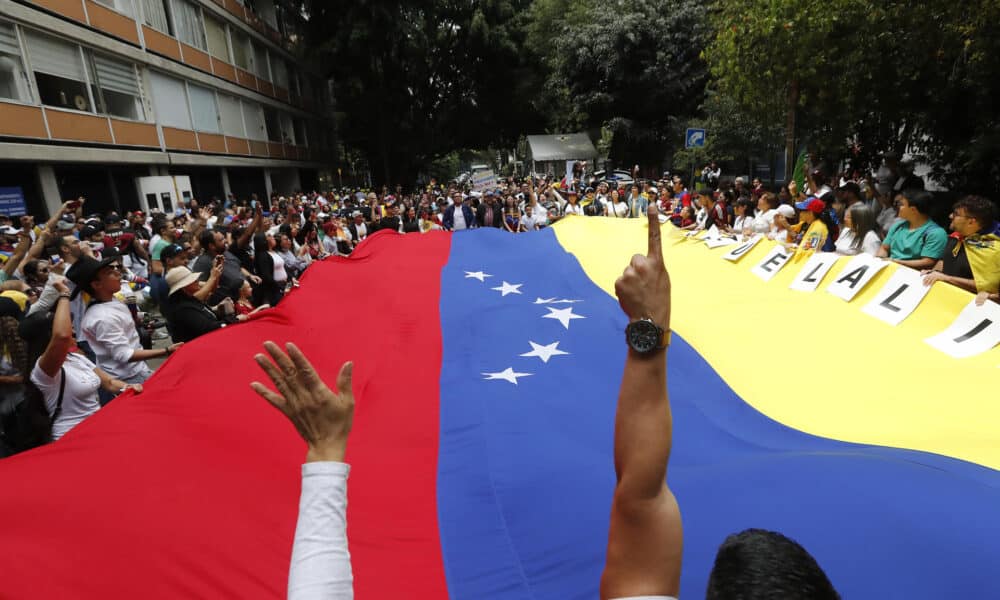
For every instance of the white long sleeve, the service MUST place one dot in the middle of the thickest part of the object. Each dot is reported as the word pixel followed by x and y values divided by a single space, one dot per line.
pixel 321 562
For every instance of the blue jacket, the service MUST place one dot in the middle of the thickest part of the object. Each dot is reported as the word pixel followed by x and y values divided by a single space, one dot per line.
pixel 449 217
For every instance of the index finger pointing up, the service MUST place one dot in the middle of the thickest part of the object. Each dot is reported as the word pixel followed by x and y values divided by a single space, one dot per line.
pixel 655 246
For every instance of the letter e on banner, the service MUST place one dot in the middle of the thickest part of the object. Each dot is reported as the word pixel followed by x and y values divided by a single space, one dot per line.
pixel 813 272
pixel 856 276
pixel 898 298
pixel 772 263
pixel 976 330
pixel 738 252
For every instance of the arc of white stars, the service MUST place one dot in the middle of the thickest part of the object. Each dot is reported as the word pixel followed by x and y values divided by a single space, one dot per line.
pixel 563 315
pixel 508 288
pixel 477 275
pixel 508 374
pixel 544 352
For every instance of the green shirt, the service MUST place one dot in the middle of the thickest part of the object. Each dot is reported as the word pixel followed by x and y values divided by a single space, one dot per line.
pixel 927 241
pixel 160 245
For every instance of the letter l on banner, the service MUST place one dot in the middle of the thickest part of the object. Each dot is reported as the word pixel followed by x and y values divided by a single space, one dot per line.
pixel 898 298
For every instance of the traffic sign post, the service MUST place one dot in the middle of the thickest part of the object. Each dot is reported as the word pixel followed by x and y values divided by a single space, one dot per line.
pixel 695 138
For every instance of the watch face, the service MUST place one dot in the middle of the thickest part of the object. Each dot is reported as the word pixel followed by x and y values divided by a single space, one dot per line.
pixel 644 336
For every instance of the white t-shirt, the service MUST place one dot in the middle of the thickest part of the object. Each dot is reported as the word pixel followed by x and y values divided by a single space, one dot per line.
pixel 739 223
pixel 531 222
pixel 845 243
pixel 619 210
pixel 459 219
pixel 573 209
pixel 764 222
pixel 110 330
pixel 279 267
pixel 79 397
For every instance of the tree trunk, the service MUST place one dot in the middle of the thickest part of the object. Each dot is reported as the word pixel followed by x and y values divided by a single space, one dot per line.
pixel 790 155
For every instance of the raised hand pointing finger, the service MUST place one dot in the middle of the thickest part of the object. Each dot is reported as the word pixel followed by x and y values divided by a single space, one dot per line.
pixel 655 251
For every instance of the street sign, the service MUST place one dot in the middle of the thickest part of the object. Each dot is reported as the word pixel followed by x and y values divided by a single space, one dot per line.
pixel 695 138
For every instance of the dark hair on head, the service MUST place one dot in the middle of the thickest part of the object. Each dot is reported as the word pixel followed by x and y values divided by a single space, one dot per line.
pixel 747 205
pixel 30 268
pixel 771 199
pixel 918 199
pixel 977 207
pixel 759 565
pixel 206 238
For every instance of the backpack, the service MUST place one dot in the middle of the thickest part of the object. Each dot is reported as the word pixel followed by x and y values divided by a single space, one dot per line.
pixel 27 424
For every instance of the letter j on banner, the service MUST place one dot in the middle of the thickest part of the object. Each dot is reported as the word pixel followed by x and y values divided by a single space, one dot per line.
pixel 898 298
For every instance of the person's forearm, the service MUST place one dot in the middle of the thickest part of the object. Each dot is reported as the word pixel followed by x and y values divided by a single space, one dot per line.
pixel 321 561
pixel 18 257
pixel 968 285
pixel 917 263
pixel 205 292
pixel 143 354
pixel 642 427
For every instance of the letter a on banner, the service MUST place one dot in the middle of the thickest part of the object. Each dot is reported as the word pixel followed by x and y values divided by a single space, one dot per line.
pixel 856 276
pixel 898 298
pixel 738 252
pixel 814 271
pixel 976 330
pixel 772 263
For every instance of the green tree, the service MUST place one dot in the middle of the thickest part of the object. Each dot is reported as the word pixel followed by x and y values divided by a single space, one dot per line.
pixel 415 80
pixel 632 66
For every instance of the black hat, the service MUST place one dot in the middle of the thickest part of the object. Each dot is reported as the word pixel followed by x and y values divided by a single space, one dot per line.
pixel 88 232
pixel 171 251
pixel 112 218
pixel 84 271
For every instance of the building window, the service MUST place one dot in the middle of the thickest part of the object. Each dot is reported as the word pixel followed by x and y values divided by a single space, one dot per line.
pixel 280 70
pixel 155 15
pixel 187 20
pixel 300 132
pixel 218 41
pixel 122 6
pixel 253 117
pixel 260 67
pixel 13 78
pixel 232 116
pixel 242 52
pixel 169 101
pixel 273 125
pixel 117 88
pixel 59 73
pixel 204 109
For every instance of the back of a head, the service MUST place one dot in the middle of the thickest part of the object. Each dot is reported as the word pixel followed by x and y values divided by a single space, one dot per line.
pixel 756 565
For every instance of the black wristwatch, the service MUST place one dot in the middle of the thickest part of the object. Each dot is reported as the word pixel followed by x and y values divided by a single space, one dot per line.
pixel 646 337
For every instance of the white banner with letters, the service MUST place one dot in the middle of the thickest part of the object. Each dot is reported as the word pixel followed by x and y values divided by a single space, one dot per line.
pixel 976 330
pixel 776 259
pixel 856 276
pixel 813 272
pixel 898 298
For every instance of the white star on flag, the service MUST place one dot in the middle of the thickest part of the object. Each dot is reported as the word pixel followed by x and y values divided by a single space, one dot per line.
pixel 507 374
pixel 477 275
pixel 563 315
pixel 544 352
pixel 508 288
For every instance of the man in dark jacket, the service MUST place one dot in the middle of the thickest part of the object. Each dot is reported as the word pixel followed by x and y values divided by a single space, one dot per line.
pixel 188 316
pixel 467 218
pixel 490 214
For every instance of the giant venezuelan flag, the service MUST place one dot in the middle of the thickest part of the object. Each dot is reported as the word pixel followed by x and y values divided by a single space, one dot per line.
pixel 487 369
